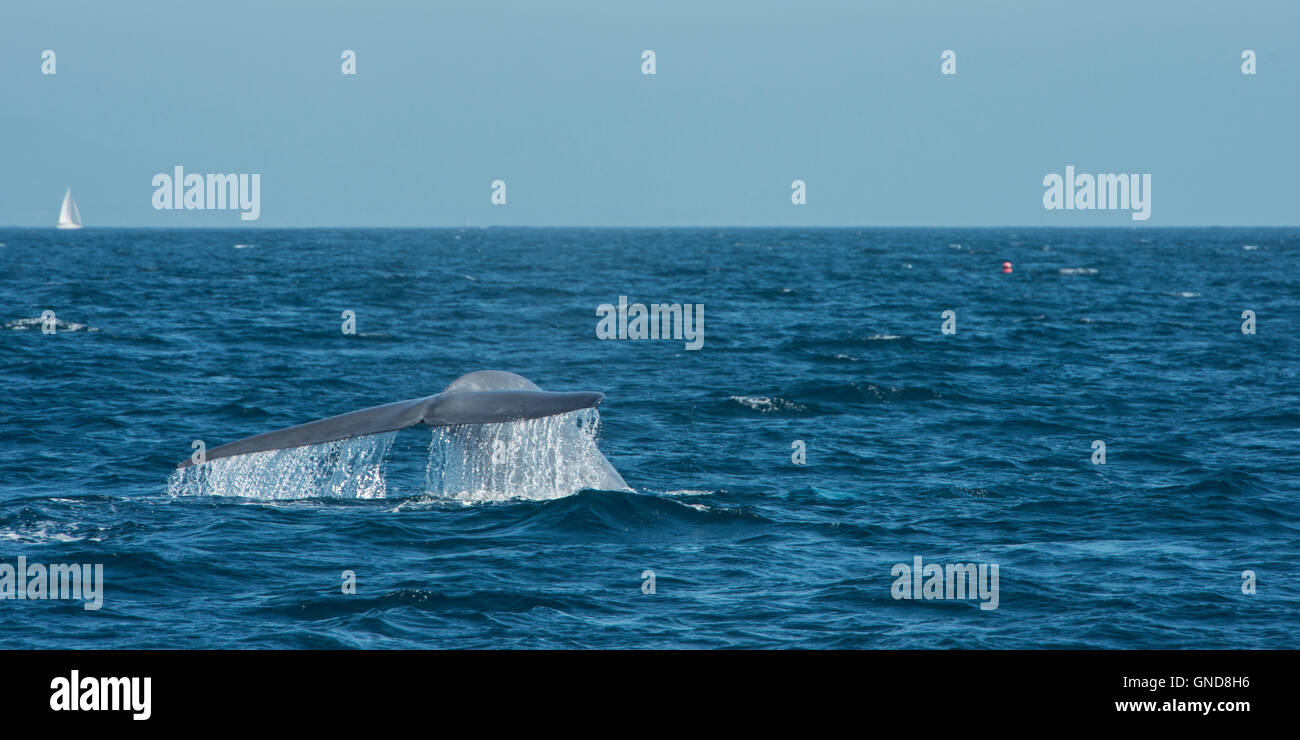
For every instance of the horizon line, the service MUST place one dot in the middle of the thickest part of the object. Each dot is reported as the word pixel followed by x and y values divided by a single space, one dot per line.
pixel 1142 227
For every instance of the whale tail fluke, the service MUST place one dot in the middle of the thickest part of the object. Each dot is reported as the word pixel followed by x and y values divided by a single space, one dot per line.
pixel 483 397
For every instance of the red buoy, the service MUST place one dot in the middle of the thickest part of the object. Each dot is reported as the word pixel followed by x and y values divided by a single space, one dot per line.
pixel 1006 267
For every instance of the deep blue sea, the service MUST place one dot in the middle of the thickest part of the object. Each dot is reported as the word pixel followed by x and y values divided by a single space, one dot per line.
pixel 975 446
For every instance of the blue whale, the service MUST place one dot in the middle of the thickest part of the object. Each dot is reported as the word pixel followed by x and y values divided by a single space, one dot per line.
pixel 483 397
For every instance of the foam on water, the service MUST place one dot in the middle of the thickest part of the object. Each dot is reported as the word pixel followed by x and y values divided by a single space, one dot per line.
pixel 349 468
pixel 766 404
pixel 37 322
pixel 535 459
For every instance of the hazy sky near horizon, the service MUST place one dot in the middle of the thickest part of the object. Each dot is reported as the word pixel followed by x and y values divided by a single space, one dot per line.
pixel 748 96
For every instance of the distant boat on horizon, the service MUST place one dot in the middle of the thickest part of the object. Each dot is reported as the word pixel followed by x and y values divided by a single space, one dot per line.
pixel 69 216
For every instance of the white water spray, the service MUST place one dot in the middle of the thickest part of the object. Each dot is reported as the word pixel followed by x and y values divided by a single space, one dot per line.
pixel 535 459
pixel 348 468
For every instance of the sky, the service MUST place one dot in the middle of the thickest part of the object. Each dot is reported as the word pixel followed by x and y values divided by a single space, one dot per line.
pixel 748 96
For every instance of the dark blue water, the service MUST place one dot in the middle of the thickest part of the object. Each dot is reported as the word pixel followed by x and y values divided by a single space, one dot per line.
pixel 971 447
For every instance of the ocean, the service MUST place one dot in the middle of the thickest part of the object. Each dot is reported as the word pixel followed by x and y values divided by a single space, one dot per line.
pixel 826 432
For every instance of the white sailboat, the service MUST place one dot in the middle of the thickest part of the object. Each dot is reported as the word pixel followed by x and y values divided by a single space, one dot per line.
pixel 69 216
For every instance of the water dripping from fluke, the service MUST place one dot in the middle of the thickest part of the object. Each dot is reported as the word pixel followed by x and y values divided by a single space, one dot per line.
pixel 495 436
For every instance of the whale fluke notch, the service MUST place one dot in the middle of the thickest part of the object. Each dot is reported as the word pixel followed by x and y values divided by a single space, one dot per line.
pixel 483 397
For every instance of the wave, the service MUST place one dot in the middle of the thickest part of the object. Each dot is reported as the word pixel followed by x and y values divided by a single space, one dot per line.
pixel 822 398
pixel 41 532
pixel 839 347
pixel 622 514
pixel 36 323
pixel 767 404
pixel 862 392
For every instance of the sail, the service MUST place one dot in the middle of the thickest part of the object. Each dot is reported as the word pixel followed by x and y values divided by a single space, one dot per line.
pixel 69 216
